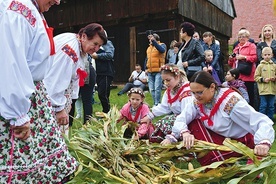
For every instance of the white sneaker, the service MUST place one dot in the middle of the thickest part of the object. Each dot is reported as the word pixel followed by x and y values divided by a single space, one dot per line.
pixel 78 116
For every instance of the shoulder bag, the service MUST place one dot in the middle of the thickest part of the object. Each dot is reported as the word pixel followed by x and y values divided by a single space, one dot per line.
pixel 244 67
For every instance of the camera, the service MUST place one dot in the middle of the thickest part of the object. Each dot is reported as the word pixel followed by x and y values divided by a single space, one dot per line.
pixel 233 55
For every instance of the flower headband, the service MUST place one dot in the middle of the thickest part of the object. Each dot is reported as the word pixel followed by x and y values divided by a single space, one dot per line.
pixel 172 69
pixel 137 91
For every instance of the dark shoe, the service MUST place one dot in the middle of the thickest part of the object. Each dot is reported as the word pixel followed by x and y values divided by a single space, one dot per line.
pixel 119 94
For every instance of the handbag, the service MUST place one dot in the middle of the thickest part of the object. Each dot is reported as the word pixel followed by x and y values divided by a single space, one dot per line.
pixel 191 70
pixel 244 67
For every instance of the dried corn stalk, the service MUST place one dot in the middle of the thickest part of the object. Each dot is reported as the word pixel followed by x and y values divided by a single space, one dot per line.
pixel 105 156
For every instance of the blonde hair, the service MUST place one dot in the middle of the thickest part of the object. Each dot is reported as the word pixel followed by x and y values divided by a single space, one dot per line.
pixel 244 32
pixel 267 49
pixel 174 71
pixel 207 52
pixel 172 44
pixel 262 34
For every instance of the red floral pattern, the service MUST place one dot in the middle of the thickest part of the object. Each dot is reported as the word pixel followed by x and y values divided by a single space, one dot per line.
pixel 70 52
pixel 43 157
pixel 22 9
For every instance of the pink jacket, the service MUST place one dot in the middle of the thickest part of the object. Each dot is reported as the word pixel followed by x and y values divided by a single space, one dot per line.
pixel 125 112
pixel 144 130
pixel 250 51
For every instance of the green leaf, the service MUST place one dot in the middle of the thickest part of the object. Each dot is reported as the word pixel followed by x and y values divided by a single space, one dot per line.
pixel 242 149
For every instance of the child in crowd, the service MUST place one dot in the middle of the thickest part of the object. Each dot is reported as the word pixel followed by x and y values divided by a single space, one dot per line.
pixel 207 65
pixel 173 101
pixel 175 51
pixel 265 77
pixel 170 58
pixel 232 81
pixel 134 111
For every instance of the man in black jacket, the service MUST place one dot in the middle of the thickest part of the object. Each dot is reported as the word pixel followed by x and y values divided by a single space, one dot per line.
pixel 105 73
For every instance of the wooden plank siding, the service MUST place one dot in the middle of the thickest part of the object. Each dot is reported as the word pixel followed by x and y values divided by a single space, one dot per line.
pixel 127 20
pixel 205 13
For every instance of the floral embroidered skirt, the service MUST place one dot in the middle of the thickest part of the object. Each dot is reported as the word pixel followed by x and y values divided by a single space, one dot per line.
pixel 163 127
pixel 43 157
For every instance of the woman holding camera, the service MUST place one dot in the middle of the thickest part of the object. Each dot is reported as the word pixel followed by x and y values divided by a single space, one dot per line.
pixel 245 51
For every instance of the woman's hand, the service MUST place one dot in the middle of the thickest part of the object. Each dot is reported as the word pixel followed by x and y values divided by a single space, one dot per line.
pixel 165 142
pixel 240 57
pixel 188 140
pixel 185 64
pixel 22 132
pixel 261 149
pixel 62 117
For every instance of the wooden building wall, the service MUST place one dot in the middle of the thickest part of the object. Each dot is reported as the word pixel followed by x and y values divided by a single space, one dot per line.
pixel 127 20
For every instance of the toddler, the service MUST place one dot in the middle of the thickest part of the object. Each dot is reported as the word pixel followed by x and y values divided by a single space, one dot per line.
pixel 207 65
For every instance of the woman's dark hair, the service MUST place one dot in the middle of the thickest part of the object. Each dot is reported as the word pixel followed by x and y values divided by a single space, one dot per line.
pixel 188 27
pixel 92 29
pixel 203 78
pixel 235 73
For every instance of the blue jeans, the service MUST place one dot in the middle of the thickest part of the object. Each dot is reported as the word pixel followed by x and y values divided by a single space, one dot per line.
pixel 155 86
pixel 267 105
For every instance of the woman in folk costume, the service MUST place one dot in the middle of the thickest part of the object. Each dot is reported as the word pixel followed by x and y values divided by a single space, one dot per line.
pixel 134 111
pixel 32 149
pixel 70 66
pixel 224 113
pixel 175 98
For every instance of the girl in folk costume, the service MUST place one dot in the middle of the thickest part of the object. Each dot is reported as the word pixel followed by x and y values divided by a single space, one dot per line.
pixel 134 111
pixel 70 66
pixel 32 149
pixel 224 113
pixel 173 102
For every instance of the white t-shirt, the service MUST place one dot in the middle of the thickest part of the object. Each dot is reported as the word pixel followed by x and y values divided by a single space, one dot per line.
pixel 142 76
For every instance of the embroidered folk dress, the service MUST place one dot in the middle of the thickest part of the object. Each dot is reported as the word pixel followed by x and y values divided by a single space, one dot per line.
pixel 63 71
pixel 233 118
pixel 171 106
pixel 24 50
